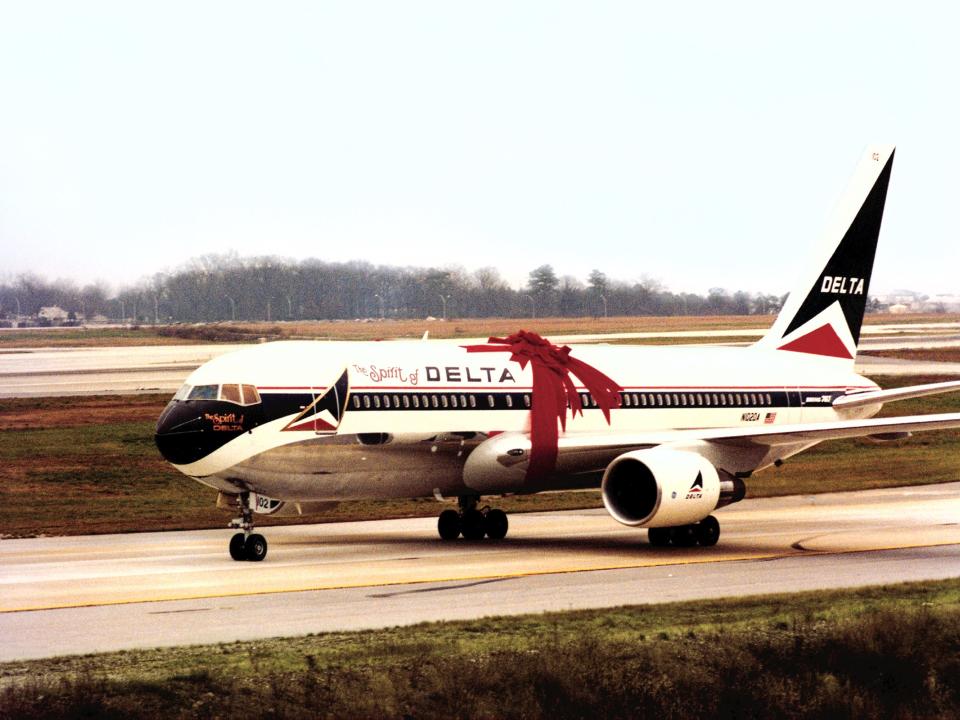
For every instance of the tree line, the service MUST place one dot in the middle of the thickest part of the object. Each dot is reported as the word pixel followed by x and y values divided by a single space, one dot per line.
pixel 227 287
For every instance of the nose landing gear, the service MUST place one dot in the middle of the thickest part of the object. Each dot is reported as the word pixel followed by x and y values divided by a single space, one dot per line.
pixel 472 523
pixel 246 545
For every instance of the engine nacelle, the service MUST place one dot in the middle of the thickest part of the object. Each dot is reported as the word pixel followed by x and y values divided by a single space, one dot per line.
pixel 660 487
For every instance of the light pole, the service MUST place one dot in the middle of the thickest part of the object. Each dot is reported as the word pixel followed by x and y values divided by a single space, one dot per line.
pixel 156 310
pixel 18 308
pixel 443 299
pixel 269 300
pixel 380 301
pixel 289 308
pixel 533 306
pixel 604 298
pixel 233 308
pixel 123 312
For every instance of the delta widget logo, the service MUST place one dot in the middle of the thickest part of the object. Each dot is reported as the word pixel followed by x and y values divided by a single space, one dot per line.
pixel 696 490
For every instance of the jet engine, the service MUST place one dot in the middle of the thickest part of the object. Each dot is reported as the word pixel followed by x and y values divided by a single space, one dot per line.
pixel 663 487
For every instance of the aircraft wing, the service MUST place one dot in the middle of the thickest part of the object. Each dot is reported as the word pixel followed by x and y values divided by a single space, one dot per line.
pixel 590 452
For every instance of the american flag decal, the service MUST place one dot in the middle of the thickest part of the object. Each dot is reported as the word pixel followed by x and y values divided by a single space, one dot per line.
pixel 770 418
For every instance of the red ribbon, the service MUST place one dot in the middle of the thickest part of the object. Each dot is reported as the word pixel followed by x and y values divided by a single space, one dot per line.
pixel 553 391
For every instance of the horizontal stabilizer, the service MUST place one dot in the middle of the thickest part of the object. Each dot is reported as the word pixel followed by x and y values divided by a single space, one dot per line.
pixel 875 397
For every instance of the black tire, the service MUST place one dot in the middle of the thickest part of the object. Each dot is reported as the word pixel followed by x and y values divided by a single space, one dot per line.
pixel 659 537
pixel 237 551
pixel 255 548
pixel 683 535
pixel 496 524
pixel 448 525
pixel 708 531
pixel 471 525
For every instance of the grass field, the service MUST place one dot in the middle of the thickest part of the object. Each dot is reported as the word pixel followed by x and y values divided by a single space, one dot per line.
pixel 890 652
pixel 386 329
pixel 90 466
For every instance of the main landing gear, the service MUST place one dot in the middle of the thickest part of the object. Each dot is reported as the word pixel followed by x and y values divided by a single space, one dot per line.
pixel 472 523
pixel 705 533
pixel 246 545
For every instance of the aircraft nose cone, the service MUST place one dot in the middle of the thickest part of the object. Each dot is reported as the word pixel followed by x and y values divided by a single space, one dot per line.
pixel 188 431
pixel 179 432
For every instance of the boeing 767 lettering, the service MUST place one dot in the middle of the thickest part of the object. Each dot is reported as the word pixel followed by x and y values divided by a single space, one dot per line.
pixel 668 434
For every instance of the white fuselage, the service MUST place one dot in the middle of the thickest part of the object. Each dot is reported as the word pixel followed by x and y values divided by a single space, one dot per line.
pixel 414 411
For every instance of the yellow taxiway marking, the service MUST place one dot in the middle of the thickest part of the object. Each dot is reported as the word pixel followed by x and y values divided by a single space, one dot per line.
pixel 167 596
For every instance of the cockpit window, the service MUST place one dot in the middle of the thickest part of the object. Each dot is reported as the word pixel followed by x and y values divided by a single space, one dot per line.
pixel 239 394
pixel 203 392
pixel 182 393
pixel 250 394
pixel 231 393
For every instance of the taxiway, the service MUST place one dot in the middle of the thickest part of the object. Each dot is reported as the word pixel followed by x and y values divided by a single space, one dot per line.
pixel 39 372
pixel 73 595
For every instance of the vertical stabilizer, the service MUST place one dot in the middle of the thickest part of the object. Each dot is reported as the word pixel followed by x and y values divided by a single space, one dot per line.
pixel 824 311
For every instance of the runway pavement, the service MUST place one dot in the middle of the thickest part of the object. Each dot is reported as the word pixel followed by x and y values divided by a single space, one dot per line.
pixel 38 372
pixel 95 593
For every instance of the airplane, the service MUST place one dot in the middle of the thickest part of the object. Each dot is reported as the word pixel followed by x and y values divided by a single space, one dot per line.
pixel 668 434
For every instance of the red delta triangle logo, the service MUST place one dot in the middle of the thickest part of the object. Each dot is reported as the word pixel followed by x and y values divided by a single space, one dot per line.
pixel 323 415
pixel 822 341
pixel 696 490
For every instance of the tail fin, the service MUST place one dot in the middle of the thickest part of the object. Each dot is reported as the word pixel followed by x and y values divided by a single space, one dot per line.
pixel 824 312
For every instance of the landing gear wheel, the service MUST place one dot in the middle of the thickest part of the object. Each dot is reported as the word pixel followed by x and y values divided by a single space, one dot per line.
pixel 683 535
pixel 496 525
pixel 237 551
pixel 708 531
pixel 659 537
pixel 472 525
pixel 448 525
pixel 255 548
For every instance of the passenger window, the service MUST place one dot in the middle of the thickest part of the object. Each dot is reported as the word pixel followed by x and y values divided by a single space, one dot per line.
pixel 659 400
pixel 424 401
pixel 463 401
pixel 626 399
pixel 376 401
pixel 769 399
pixel 643 399
pixel 509 400
pixel 396 401
pixel 473 401
pixel 366 401
pixel 416 401
pixel 526 400
pixel 434 402
pixel 453 401
pixel 356 402
pixel 386 401
pixel 204 392
pixel 406 401
pixel 490 401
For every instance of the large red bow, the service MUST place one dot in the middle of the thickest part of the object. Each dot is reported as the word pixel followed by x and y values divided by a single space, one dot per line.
pixel 553 391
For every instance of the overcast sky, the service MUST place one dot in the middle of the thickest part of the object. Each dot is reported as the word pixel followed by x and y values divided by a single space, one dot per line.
pixel 702 144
